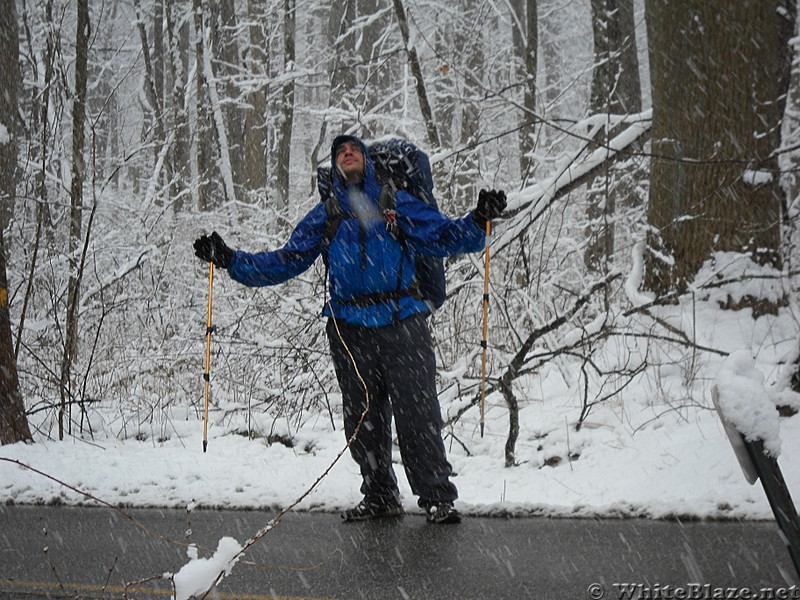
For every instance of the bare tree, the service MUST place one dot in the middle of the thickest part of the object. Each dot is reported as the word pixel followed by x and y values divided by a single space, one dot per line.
pixel 341 38
pixel 616 90
pixel 13 422
pixel 8 108
pixel 791 69
pixel 525 35
pixel 204 131
pixel 228 67
pixel 416 71
pixel 255 130
pixel 551 50
pixel 340 70
pixel 713 188
pixel 153 79
pixel 76 207
pixel 470 45
pixel 284 140
pixel 159 54
pixel 376 74
pixel 178 66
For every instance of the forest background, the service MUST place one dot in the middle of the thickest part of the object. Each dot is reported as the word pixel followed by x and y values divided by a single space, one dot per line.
pixel 649 151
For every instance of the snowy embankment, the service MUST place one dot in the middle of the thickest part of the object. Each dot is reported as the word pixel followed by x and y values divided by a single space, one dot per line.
pixel 657 449
pixel 677 464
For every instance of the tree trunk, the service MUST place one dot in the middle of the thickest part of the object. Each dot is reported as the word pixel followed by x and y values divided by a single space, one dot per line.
pixel 342 70
pixel 13 422
pixel 792 175
pixel 416 72
pixel 342 77
pixel 180 152
pixel 9 45
pixel 284 141
pixel 204 131
pixel 553 73
pixel 158 50
pixel 151 85
pixel 255 130
pixel 51 50
pixel 616 87
pixel 716 126
pixel 616 90
pixel 525 28
pixel 101 100
pixel 469 45
pixel 76 209
pixel 377 77
pixel 444 96
pixel 227 68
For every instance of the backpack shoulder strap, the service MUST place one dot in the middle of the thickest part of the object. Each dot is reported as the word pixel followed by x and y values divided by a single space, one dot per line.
pixel 335 215
pixel 386 203
pixel 386 199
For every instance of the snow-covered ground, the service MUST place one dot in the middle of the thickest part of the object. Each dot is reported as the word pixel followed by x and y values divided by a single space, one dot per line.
pixel 678 464
pixel 656 450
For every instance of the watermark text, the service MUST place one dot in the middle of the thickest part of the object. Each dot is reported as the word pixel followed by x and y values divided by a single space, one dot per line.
pixel 690 591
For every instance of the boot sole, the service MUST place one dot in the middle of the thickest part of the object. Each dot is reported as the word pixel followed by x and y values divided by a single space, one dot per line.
pixel 383 515
pixel 448 520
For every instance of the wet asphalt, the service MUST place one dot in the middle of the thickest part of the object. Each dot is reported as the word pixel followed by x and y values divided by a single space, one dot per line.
pixel 74 552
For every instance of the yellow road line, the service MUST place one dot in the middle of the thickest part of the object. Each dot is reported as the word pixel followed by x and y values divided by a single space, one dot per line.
pixel 99 591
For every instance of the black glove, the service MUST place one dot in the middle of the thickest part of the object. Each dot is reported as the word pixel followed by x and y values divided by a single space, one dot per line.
pixel 211 248
pixel 491 205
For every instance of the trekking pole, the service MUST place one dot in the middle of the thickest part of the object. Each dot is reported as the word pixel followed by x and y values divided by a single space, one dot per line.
pixel 207 373
pixel 484 342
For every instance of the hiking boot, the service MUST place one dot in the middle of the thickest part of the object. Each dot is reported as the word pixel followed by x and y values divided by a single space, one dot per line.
pixel 443 512
pixel 367 509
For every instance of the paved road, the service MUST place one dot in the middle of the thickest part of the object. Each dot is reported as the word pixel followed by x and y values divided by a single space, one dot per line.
pixel 76 552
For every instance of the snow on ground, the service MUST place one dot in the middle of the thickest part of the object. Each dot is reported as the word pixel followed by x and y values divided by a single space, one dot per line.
pixel 656 450
pixel 677 465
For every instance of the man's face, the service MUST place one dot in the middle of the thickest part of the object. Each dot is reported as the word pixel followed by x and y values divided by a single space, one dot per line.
pixel 350 162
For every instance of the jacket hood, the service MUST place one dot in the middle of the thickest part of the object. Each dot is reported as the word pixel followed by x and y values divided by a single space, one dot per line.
pixel 370 186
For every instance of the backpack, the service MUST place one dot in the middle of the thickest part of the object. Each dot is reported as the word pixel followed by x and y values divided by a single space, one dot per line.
pixel 399 165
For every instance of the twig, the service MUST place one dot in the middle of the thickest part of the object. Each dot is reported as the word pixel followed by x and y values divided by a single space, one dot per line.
pixel 519 359
pixel 49 562
pixel 108 577
pixel 143 581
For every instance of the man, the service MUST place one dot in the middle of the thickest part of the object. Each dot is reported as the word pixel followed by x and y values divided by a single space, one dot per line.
pixel 377 327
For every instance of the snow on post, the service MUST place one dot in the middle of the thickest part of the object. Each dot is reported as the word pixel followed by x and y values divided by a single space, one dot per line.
pixel 634 279
pixel 745 402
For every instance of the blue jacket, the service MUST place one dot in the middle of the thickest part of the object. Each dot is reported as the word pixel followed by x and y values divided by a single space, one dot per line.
pixel 363 258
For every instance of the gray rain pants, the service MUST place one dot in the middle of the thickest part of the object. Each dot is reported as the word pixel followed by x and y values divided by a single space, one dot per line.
pixel 398 364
